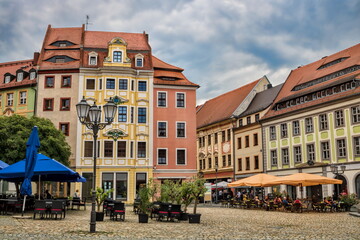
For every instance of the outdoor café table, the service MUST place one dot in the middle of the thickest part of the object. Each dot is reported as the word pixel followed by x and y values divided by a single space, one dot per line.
pixel 8 204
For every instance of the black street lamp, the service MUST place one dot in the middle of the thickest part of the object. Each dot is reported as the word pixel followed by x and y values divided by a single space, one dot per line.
pixel 216 189
pixel 90 116
pixel 337 172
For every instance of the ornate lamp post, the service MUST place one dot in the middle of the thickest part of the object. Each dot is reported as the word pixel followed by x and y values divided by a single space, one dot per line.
pixel 337 172
pixel 216 189
pixel 90 116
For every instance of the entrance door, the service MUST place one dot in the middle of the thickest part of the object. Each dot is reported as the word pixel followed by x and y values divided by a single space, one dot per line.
pixel 357 185
pixel 339 188
pixel 87 186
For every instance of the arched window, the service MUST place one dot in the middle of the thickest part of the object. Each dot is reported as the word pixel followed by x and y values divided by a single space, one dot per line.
pixel 117 56
pixel 357 185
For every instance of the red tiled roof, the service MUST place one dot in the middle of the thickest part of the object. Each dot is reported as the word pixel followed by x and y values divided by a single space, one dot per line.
pixel 223 106
pixel 135 41
pixel 61 34
pixel 12 67
pixel 310 72
pixel 166 74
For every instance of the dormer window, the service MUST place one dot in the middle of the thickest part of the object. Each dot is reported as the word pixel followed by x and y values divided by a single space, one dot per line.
pixel 59 60
pixel 20 76
pixel 92 61
pixel 117 56
pixel 7 79
pixel 139 62
pixel 32 75
pixel 62 44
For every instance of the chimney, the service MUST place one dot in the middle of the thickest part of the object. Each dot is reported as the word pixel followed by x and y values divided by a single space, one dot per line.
pixel 36 58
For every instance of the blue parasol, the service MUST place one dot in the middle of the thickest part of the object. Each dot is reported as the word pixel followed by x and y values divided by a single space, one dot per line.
pixel 32 146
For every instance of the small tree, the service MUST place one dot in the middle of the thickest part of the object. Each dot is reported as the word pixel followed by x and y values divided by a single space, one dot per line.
pixel 171 191
pixel 144 195
pixel 101 195
pixel 186 194
pixel 197 189
pixel 153 189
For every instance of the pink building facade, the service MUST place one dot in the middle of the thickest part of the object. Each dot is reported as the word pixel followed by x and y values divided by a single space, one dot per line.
pixel 174 151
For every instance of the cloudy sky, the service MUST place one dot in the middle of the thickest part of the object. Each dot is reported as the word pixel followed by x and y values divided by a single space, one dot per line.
pixel 221 44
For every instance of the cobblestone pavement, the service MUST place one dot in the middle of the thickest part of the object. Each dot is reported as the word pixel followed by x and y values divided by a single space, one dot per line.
pixel 216 223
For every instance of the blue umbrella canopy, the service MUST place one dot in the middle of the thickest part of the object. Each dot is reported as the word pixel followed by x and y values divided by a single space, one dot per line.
pixel 3 165
pixel 32 147
pixel 49 170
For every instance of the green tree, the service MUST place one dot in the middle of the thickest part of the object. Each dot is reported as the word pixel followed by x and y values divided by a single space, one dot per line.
pixel 15 131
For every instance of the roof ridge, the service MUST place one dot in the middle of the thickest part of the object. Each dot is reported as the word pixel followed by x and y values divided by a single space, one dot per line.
pixel 179 68
pixel 15 62
pixel 112 32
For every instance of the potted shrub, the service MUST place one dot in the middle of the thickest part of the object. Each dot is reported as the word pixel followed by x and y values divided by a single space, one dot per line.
pixel 348 200
pixel 197 189
pixel 144 204
pixel 186 197
pixel 101 195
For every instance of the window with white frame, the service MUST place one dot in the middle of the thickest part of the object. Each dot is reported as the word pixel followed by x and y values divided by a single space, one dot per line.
pixel 180 156
pixel 323 122
pixel 142 87
pixel 162 157
pixel 20 76
pixel 284 130
pixel 122 114
pixel 296 128
pixel 92 60
pixel 355 114
pixel 123 84
pixel 139 62
pixel 180 100
pixel 32 75
pixel 180 129
pixel 162 129
pixel 339 118
pixel 141 115
pixel 309 125
pixel 311 152
pixel 161 99
pixel 117 56
pixel 7 79
pixel 325 150
pixel 110 83
pixel 297 154
pixel 285 156
pixel 341 148
pixel 141 150
pixel 90 84
pixel 10 99
pixel 357 146
pixel 23 97
pixel 273 157
pixel 121 149
pixel 108 149
pixel 272 132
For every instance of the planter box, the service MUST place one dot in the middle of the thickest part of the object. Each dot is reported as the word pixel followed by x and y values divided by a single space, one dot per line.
pixel 99 216
pixel 194 218
pixel 184 217
pixel 143 218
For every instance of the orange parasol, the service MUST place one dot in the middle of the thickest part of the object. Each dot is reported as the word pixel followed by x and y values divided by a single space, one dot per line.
pixel 257 180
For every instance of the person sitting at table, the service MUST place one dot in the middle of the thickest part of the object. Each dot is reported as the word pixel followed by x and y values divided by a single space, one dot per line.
pixel 76 193
pixel 286 203
pixel 47 194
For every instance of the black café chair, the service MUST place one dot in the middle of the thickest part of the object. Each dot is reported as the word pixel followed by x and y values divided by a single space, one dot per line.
pixel 39 208
pixel 174 212
pixel 118 210
pixel 57 207
pixel 163 211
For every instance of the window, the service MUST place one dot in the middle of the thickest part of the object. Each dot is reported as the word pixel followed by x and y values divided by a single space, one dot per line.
pixel 59 60
pixel 131 114
pixel 90 84
pixel 20 76
pixel 92 60
pixel 140 180
pixel 100 84
pixel 285 156
pixel 0 100
pixel 162 156
pixel 180 156
pixel 248 120
pixel 23 97
pixel 256 162
pixel 139 62
pixel 66 81
pixel 224 161
pixel 223 136
pixel 123 84
pixel 180 100
pixel 121 186
pixel 121 149
pixel 48 104
pixel 7 79
pixel 296 128
pixel 229 160
pixel 273 157
pixel 325 151
pixel 215 138
pixel 122 114
pixel 309 125
pixel 108 148
pixel 357 146
pixel 257 117
pixel 141 115
pixel 117 56
pixel 162 129
pixel 132 85
pixel 323 122
pixel 284 130
pixel 110 83
pixel 64 104
pixel 339 118
pixel 341 148
pixel 200 164
pixel 180 130
pixel 209 163
pixel 272 133
pixel 209 140
pixel 239 143
pixel 247 163
pixel 297 154
pixel 240 122
pixel 247 141
pixel 142 86
pixel 131 149
pixel 161 99
pixel 216 161
pixel 88 149
pixel 256 139
pixel 141 150
pixel 49 81
pixel 355 114
pixel 239 164
pixel 228 135
pixel 64 128
pixel 311 152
